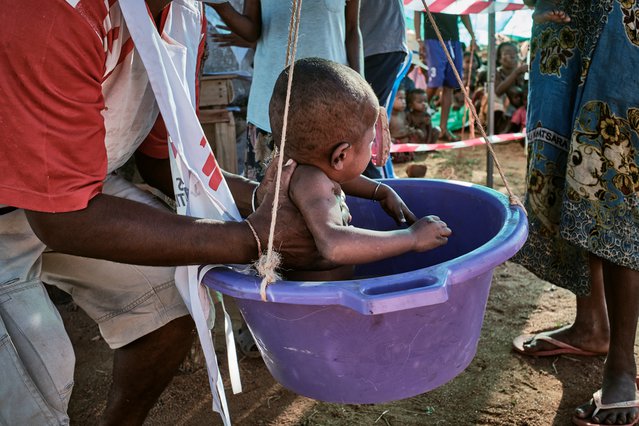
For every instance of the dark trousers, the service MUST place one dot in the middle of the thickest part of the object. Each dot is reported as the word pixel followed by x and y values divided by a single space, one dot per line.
pixel 380 71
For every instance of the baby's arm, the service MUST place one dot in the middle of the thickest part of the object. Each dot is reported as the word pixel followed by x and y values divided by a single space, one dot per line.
pixel 392 204
pixel 348 245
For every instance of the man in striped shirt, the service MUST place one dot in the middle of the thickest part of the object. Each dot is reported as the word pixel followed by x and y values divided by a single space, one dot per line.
pixel 76 105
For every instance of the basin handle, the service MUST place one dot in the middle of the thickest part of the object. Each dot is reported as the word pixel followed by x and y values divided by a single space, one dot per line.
pixel 395 293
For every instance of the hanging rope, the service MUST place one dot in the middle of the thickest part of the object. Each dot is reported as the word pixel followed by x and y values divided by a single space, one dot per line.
pixel 268 263
pixel 514 200
pixel 467 112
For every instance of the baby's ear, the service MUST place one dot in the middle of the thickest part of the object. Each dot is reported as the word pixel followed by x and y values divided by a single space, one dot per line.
pixel 339 154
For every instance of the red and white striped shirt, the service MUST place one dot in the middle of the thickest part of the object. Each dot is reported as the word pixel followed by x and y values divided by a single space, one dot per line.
pixel 75 101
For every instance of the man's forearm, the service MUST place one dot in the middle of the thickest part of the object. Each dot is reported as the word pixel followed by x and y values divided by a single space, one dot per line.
pixel 354 44
pixel 247 25
pixel 125 231
pixel 355 52
pixel 469 26
pixel 242 191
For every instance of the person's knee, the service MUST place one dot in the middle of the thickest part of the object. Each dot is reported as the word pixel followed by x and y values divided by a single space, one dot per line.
pixel 178 331
pixel 29 399
pixel 37 359
pixel 184 327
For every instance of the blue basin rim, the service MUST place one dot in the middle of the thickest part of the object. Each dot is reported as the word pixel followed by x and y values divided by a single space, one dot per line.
pixel 381 294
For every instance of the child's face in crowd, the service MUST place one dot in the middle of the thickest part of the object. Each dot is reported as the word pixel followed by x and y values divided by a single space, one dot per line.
pixel 467 67
pixel 508 57
pixel 400 101
pixel 418 103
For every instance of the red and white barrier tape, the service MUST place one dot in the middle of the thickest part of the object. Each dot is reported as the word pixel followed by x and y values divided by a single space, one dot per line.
pixel 418 147
pixel 465 7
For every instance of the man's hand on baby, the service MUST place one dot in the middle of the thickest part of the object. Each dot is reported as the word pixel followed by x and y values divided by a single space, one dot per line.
pixel 429 232
pixel 289 220
pixel 394 206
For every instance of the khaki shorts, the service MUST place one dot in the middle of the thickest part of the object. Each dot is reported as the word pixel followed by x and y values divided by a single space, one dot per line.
pixel 36 356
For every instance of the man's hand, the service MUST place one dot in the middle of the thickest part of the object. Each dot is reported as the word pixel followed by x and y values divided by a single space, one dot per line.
pixel 230 39
pixel 422 51
pixel 473 44
pixel 292 238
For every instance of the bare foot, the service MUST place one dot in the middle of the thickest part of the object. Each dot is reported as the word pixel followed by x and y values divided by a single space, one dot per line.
pixel 620 388
pixel 580 337
pixel 557 16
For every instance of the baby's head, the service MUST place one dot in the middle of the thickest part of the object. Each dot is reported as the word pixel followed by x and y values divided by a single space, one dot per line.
pixel 331 116
pixel 417 100
pixel 399 103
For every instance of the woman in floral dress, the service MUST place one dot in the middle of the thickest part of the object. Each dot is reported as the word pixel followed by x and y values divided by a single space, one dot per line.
pixel 583 184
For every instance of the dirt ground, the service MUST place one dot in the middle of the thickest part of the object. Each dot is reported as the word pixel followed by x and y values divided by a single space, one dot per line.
pixel 498 388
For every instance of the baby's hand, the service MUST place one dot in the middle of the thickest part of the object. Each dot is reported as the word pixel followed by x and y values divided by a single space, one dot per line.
pixel 429 232
pixel 394 206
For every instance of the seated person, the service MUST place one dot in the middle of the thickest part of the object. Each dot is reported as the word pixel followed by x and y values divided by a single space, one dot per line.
pixel 400 131
pixel 471 66
pixel 330 129
pixel 509 86
pixel 419 116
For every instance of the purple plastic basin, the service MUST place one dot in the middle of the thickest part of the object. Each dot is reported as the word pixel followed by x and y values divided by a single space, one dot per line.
pixel 402 326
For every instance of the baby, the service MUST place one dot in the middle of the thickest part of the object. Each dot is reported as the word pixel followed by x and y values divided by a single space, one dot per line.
pixel 400 131
pixel 330 130
pixel 419 117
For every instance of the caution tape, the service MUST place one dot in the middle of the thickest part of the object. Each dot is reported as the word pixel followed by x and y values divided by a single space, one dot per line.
pixel 465 7
pixel 418 147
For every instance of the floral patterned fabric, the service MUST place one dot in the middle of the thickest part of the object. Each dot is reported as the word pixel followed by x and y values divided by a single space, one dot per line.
pixel 583 118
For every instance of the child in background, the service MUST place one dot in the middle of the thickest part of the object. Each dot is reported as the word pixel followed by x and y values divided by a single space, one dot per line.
pixel 419 116
pixel 400 131
pixel 329 133
pixel 510 86
pixel 518 120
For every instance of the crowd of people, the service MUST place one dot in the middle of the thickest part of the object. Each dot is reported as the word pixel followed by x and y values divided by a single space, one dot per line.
pixel 78 104
pixel 417 115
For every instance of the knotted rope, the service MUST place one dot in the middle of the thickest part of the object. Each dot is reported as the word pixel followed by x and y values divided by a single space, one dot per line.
pixel 268 263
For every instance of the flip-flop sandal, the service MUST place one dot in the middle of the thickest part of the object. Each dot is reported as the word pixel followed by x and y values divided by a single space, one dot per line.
pixel 596 400
pixel 245 342
pixel 561 348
